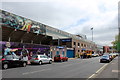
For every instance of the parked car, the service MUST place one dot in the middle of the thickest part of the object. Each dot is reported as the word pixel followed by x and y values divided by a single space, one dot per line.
pixel 117 54
pixel 111 57
pixel 60 58
pixel 11 60
pixel 40 59
pixel 95 55
pixel 105 58
pixel 0 61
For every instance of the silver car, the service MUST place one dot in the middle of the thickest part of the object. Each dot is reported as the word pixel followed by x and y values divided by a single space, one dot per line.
pixel 40 59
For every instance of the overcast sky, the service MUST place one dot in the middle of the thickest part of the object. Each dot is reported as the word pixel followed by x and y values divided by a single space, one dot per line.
pixel 73 16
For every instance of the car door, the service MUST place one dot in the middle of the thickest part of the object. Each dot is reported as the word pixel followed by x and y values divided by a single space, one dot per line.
pixel 42 58
pixel 47 59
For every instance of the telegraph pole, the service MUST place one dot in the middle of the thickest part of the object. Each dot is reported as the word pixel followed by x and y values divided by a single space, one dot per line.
pixel 118 44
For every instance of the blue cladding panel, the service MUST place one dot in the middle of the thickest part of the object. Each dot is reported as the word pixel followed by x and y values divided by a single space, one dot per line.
pixel 70 53
pixel 57 53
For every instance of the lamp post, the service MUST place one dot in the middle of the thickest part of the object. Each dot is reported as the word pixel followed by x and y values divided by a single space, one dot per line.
pixel 92 39
pixel 92 33
pixel 118 44
pixel 58 41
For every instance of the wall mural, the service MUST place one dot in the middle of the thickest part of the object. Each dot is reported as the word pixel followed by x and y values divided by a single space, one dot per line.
pixel 17 22
pixel 34 48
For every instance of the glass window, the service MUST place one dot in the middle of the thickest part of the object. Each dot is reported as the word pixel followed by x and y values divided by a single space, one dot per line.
pixel 74 43
pixel 57 55
pixel 9 57
pixel 35 56
pixel 82 44
pixel 78 44
pixel 45 57
pixel 41 56
pixel 0 57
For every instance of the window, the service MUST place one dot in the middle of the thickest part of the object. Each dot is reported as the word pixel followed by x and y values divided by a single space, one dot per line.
pixel 78 44
pixel 45 56
pixel 41 56
pixel 82 44
pixel 74 43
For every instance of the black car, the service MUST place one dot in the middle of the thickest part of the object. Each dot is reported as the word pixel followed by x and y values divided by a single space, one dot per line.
pixel 11 60
pixel 105 58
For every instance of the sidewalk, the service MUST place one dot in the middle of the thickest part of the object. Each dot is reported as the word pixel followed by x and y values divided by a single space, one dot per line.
pixel 71 58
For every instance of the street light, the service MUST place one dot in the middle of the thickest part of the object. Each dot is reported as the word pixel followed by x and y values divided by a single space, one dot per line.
pixel 118 44
pixel 92 33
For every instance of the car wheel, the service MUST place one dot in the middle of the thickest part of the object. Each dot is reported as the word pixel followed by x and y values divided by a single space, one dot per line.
pixel 5 66
pixel 61 60
pixel 24 64
pixel 50 62
pixel 40 62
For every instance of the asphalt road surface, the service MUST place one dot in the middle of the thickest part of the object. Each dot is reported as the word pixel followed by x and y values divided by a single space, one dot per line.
pixel 76 68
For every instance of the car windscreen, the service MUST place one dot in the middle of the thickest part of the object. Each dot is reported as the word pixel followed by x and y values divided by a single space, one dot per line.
pixel 8 57
pixel 57 55
pixel 105 57
pixel 0 57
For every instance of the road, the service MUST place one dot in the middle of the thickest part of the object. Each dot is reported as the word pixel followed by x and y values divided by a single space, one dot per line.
pixel 76 68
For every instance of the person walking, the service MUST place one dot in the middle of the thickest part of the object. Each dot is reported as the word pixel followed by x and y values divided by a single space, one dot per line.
pixel 81 55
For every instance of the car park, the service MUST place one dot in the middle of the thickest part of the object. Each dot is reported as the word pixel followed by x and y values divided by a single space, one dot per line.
pixel 60 58
pixel 105 58
pixel 40 59
pixel 11 60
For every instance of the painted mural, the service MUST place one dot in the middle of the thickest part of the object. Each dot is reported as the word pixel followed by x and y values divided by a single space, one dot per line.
pixel 17 22
pixel 25 48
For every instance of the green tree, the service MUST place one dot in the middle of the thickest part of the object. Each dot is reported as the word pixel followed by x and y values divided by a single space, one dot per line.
pixel 116 43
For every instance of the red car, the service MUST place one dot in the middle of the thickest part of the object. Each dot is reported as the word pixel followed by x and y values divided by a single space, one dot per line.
pixel 60 58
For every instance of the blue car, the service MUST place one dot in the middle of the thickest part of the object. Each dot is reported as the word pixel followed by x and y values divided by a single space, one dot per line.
pixel 105 58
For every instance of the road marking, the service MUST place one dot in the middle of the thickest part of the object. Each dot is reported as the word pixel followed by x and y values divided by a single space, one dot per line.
pixel 35 71
pixel 98 71
pixel 101 68
pixel 116 71
pixel 112 63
